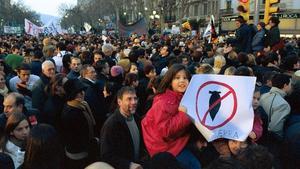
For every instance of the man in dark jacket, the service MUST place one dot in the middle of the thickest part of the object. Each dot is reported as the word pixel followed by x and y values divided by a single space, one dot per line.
pixel 93 95
pixel 273 35
pixel 121 142
pixel 77 126
pixel 38 90
pixel 243 36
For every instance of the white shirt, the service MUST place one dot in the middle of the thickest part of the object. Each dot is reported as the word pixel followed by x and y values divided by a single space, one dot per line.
pixel 58 60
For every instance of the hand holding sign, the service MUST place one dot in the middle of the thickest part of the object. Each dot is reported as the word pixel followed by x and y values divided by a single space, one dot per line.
pixel 221 106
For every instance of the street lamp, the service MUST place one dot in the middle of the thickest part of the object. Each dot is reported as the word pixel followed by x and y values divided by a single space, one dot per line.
pixel 146 8
pixel 125 13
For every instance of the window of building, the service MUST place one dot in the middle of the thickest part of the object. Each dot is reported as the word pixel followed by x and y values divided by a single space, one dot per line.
pixel 196 10
pixel 228 4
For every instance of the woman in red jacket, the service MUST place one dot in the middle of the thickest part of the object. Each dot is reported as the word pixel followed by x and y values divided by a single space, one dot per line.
pixel 165 126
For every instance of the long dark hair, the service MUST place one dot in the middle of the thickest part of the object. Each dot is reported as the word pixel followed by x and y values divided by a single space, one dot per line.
pixel 169 76
pixel 43 149
pixel 12 122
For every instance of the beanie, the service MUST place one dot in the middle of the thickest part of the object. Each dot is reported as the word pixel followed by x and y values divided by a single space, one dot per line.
pixel 116 71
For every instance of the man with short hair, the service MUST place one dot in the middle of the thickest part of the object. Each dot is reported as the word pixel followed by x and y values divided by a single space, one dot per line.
pixel 24 80
pixel 121 143
pixel 38 91
pixel 14 103
pixel 274 104
pixel 75 67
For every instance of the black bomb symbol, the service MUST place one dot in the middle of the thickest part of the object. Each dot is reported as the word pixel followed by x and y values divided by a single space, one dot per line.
pixel 215 95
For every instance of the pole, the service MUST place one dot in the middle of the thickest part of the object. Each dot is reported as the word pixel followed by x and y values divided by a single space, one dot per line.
pixel 256 11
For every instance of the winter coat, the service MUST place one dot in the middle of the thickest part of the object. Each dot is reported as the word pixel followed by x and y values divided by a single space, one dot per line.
pixel 164 127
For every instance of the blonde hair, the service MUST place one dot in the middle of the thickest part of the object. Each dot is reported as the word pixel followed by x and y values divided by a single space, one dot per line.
pixel 230 70
pixel 204 68
pixel 219 62
pixel 251 59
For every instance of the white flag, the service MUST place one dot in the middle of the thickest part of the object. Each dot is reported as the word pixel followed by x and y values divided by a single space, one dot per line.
pixel 32 29
pixel 87 27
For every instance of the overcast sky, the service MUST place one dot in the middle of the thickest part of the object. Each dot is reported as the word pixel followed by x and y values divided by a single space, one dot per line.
pixel 49 7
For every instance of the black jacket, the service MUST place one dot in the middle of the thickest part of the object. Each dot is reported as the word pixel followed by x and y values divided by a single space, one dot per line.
pixel 116 143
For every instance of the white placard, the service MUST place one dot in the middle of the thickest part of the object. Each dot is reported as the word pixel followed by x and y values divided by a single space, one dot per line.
pixel 32 29
pixel 221 106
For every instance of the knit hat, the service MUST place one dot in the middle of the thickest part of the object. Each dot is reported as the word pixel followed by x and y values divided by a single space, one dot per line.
pixel 116 71
pixel 72 87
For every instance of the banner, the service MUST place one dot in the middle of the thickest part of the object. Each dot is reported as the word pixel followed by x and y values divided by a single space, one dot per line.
pixel 50 28
pixel 139 27
pixel 221 106
pixel 32 29
pixel 12 30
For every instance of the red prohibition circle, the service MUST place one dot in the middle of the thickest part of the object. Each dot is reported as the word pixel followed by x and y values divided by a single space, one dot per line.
pixel 231 91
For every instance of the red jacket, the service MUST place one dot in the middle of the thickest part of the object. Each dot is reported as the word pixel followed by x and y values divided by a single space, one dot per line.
pixel 164 127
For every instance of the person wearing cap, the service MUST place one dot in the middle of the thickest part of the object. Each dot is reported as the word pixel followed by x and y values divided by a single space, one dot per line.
pixel 259 37
pixel 77 126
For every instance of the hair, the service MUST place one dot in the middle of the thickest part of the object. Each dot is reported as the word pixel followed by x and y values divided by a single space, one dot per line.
pixel 84 70
pixel 289 62
pixel 243 71
pixel 204 68
pixel 154 82
pixel 275 20
pixel 243 58
pixel 230 70
pixel 12 122
pixel 66 60
pixel 256 157
pixel 130 78
pixel 76 58
pixel 148 68
pixel 124 90
pixel 169 76
pixel 279 80
pixel 100 65
pixel 251 60
pixel 46 63
pixel 61 46
pixel 43 149
pixel 19 98
pixel 270 58
pixel 219 61
pixel 268 76
pixel 226 163
pixel 57 80
pixel 23 66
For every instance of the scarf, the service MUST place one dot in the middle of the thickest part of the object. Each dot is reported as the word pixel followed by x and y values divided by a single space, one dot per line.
pixel 86 110
pixel 4 91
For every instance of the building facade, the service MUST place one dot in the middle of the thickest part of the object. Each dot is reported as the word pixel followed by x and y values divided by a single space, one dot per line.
pixel 289 15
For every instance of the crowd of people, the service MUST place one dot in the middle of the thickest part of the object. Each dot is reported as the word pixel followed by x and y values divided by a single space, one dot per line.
pixel 78 101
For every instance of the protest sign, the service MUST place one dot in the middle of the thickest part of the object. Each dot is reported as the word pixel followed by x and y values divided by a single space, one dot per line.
pixel 221 106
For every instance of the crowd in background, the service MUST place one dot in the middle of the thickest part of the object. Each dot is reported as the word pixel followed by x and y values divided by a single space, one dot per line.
pixel 78 101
